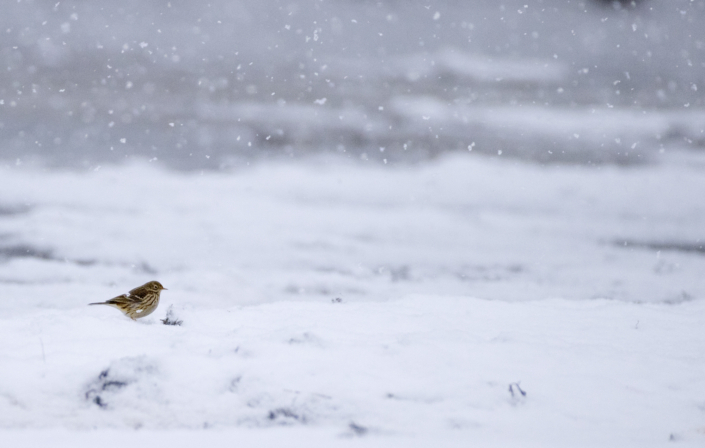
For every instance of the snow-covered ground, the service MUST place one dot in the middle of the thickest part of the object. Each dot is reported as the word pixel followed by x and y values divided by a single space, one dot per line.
pixel 430 369
pixel 368 258
pixel 331 303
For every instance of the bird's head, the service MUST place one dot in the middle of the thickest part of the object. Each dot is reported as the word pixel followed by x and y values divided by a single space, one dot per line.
pixel 154 286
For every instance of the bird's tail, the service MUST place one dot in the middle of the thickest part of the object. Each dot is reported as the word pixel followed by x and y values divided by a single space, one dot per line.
pixel 99 303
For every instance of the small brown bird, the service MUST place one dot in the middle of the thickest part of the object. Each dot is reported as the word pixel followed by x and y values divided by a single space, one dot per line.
pixel 140 302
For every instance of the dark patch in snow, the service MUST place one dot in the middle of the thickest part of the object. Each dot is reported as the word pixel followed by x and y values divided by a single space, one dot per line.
pixel 286 416
pixel 121 374
pixel 234 383
pixel 697 247
pixel 21 250
pixel 104 384
pixel 9 210
pixel 517 393
pixel 472 273
pixel 513 386
pixel 680 298
pixel 11 399
pixel 305 338
pixel 358 430
pixel 337 300
pixel 99 401
pixel 110 385
pixel 26 251
pixel 619 4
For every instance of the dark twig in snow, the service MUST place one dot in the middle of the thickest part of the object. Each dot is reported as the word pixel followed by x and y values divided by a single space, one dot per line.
pixel 518 388
pixel 170 318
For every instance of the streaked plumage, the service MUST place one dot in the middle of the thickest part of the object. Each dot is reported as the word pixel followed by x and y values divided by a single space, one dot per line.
pixel 140 302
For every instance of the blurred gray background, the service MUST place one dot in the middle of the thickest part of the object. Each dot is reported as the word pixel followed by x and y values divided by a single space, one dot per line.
pixel 216 84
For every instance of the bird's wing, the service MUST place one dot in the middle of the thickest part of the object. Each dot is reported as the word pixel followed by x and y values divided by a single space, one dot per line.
pixel 139 291
pixel 123 299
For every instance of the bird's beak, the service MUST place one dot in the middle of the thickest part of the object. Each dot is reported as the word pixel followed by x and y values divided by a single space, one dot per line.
pixel 164 288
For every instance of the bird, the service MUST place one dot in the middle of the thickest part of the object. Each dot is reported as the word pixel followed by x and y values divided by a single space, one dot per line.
pixel 139 302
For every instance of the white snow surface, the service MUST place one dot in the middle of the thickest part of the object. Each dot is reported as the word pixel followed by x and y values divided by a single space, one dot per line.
pixel 468 301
